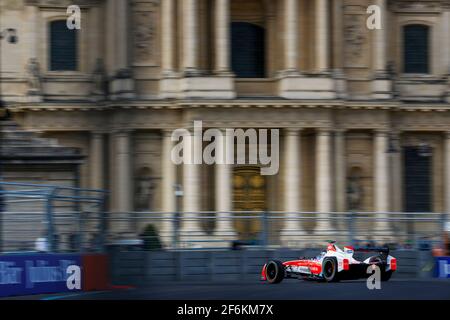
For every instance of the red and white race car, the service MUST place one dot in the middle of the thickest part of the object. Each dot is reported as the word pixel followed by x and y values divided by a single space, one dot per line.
pixel 331 265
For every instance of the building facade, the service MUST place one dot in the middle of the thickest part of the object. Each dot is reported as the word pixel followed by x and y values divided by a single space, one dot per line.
pixel 358 109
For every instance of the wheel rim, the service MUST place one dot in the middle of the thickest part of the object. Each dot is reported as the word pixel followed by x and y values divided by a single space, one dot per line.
pixel 271 271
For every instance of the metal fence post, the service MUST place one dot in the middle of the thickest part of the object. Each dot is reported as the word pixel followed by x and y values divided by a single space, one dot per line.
pixel 351 227
pixel 2 209
pixel 103 224
pixel 265 230
pixel 50 224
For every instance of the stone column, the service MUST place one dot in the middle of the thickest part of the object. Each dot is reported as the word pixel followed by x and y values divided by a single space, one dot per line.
pixel 122 44
pixel 190 37
pixel 446 40
pixel 168 184
pixel 124 172
pixel 323 180
pixel 382 85
pixel 379 45
pixel 322 32
pixel 338 34
pixel 381 181
pixel 124 179
pixel 97 160
pixel 168 36
pixel 446 18
pixel 291 35
pixel 223 191
pixel 396 173
pixel 340 168
pixel 292 186
pixel 222 41
pixel 192 187
pixel 338 48
pixel 122 86
pixel 447 173
pixel 110 37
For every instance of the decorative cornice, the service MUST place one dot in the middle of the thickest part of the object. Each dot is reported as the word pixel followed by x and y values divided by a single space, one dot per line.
pixel 263 104
pixel 418 6
pixel 62 3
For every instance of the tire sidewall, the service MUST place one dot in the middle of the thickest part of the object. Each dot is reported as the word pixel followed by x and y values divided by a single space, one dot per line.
pixel 279 271
pixel 333 277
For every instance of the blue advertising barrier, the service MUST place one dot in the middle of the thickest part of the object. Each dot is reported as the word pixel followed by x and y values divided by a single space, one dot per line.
pixel 37 273
pixel 442 268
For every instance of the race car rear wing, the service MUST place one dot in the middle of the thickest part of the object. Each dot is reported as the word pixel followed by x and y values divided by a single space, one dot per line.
pixel 381 250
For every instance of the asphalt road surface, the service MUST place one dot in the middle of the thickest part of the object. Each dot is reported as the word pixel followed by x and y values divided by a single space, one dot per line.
pixel 288 290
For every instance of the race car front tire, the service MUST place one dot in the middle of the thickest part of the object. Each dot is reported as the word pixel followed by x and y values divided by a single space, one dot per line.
pixel 330 270
pixel 275 271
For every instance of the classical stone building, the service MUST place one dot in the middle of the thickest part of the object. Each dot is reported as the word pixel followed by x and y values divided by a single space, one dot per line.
pixel 360 109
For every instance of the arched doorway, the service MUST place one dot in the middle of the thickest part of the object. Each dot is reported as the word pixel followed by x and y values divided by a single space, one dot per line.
pixel 249 194
pixel 248 50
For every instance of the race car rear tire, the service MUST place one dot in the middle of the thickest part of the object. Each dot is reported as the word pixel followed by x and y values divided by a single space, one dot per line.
pixel 386 275
pixel 330 270
pixel 275 271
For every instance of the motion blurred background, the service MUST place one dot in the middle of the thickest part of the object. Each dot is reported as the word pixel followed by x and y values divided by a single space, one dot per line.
pixel 91 93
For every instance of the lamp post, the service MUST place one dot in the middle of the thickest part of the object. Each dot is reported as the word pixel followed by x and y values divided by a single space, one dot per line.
pixel 10 35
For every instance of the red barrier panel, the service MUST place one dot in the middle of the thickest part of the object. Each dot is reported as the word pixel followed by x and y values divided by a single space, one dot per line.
pixel 95 272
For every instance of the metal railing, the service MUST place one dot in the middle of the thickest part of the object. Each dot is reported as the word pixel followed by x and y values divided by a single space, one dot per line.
pixel 219 230
pixel 51 218
pixel 65 219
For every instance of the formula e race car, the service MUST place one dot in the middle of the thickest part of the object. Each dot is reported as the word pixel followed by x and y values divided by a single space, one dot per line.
pixel 332 265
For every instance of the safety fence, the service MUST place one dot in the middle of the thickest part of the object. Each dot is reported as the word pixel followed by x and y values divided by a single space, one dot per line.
pixel 234 230
pixel 145 267
pixel 49 218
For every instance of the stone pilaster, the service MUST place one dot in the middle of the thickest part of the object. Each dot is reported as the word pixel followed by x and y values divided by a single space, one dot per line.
pixel 292 185
pixel 97 160
pixel 168 37
pixel 340 168
pixel 291 40
pixel 122 86
pixel 123 182
pixel 381 181
pixel 190 37
pixel 192 186
pixel 322 33
pixel 381 84
pixel 223 192
pixel 124 171
pixel 222 41
pixel 168 183
pixel 323 180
